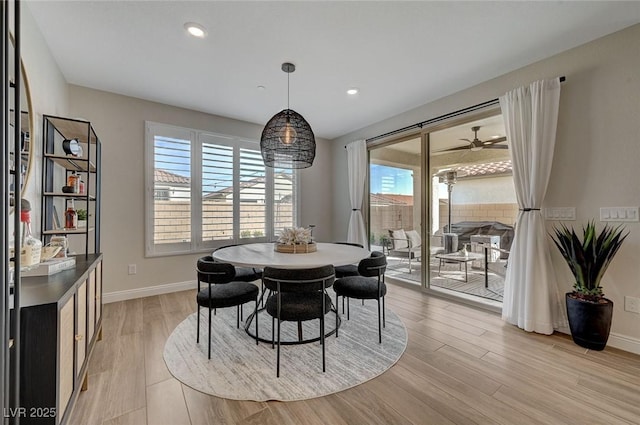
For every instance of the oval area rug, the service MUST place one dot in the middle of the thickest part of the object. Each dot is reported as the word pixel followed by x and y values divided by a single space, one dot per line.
pixel 241 370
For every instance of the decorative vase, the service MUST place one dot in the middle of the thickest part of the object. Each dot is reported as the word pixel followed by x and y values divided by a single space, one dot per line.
pixel 590 323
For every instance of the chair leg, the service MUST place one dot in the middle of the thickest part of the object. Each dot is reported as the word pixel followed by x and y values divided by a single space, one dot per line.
pixel 273 332
pixel 322 343
pixel 379 324
pixel 241 313
pixel 278 354
pixel 337 315
pixel 348 302
pixel 198 326
pixel 299 331
pixel 384 324
pixel 209 334
pixel 238 312
pixel 255 317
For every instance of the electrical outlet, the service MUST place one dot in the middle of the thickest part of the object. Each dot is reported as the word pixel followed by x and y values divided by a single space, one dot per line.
pixel 632 304
pixel 133 269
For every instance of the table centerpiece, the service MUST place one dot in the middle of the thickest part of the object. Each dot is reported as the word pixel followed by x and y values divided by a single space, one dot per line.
pixel 295 240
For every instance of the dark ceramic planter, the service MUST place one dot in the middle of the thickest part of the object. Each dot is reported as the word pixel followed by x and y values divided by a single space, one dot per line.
pixel 590 323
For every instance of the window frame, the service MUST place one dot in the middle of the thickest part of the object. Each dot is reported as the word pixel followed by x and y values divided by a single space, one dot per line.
pixel 197 138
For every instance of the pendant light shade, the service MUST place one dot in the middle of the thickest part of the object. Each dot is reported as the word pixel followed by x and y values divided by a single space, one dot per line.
pixel 287 140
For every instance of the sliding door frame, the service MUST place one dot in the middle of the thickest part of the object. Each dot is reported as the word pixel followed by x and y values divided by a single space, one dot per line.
pixel 426 184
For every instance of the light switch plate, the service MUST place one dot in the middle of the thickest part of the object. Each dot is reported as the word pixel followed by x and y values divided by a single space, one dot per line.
pixel 620 214
pixel 560 213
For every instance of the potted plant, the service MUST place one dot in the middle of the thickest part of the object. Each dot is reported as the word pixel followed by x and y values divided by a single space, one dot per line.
pixel 82 217
pixel 588 311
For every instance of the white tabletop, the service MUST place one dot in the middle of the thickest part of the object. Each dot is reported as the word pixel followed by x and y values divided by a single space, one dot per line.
pixel 264 254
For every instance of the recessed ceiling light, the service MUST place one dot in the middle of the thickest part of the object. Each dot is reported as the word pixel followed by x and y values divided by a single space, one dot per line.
pixel 352 91
pixel 261 88
pixel 195 29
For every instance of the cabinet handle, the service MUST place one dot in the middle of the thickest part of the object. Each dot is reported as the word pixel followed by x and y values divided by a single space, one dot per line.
pixel 11 343
pixel 79 337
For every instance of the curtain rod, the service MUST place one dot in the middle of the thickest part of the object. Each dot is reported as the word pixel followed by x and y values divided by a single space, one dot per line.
pixel 441 117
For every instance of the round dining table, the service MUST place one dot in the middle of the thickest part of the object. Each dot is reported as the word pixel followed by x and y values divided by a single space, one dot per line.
pixel 264 254
pixel 261 255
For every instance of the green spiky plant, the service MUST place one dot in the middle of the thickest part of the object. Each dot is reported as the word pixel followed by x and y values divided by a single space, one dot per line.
pixel 589 258
pixel 82 214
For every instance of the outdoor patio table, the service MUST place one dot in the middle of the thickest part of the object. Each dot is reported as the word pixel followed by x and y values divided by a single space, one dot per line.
pixel 460 257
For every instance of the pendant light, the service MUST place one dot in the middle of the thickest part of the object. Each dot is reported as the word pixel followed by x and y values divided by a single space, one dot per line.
pixel 287 140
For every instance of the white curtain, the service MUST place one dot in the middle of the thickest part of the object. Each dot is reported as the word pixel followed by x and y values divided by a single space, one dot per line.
pixel 357 169
pixel 531 297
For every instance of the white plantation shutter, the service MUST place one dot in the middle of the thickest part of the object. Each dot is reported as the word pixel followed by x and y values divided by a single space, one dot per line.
pixel 252 193
pixel 217 192
pixel 208 190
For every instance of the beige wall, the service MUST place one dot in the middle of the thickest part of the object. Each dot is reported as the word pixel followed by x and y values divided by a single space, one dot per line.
pixel 596 156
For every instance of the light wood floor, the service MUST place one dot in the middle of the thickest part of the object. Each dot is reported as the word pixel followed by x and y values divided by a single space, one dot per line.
pixel 461 366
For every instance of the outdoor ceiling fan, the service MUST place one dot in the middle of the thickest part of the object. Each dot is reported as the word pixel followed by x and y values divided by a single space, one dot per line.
pixel 477 144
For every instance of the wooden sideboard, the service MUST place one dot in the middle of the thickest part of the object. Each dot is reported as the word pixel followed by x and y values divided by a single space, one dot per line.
pixel 61 321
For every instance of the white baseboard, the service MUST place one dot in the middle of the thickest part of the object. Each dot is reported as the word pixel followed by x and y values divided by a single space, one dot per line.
pixel 625 343
pixel 129 294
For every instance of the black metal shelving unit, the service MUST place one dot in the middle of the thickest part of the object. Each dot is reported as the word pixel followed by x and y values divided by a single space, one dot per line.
pixel 56 167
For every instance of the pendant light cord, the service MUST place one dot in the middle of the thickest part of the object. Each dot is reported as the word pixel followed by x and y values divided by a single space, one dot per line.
pixel 288 74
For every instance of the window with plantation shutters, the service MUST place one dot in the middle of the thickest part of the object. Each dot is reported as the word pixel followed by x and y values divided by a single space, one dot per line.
pixel 208 190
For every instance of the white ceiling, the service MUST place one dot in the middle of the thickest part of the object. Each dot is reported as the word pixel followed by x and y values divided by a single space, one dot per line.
pixel 399 54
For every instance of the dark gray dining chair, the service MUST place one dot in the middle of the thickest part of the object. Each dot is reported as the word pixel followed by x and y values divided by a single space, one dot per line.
pixel 222 291
pixel 245 274
pixel 298 295
pixel 368 285
pixel 349 269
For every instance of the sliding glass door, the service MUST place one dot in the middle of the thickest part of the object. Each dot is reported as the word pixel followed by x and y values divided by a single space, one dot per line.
pixel 473 208
pixel 395 202
pixel 442 207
